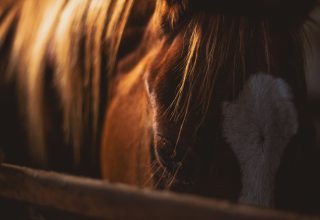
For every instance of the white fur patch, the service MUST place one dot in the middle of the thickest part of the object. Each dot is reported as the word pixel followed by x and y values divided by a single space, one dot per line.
pixel 258 126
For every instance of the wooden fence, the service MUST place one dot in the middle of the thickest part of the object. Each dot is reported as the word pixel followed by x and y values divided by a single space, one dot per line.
pixel 101 200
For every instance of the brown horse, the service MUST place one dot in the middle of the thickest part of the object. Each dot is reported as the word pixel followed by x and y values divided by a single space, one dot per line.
pixel 216 106
pixel 211 102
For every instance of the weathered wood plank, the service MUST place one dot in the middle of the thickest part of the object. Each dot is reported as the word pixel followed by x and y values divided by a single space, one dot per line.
pixel 99 199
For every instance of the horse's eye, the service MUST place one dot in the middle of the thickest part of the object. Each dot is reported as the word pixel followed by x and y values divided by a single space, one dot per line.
pixel 166 153
pixel 163 142
pixel 164 148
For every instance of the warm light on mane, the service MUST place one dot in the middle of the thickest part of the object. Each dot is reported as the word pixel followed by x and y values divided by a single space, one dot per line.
pixel 65 35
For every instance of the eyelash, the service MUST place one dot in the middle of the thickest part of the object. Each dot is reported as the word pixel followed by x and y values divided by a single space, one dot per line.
pixel 165 140
pixel 164 151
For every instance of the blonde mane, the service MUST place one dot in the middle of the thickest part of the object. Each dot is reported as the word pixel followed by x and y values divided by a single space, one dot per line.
pixel 70 36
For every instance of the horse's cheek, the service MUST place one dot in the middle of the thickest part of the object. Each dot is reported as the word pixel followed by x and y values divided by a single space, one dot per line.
pixel 125 144
pixel 111 147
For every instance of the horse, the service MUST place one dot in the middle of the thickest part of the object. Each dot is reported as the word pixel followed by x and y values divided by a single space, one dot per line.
pixel 207 98
pixel 217 105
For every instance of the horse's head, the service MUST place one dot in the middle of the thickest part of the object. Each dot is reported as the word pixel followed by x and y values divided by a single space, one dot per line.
pixel 219 129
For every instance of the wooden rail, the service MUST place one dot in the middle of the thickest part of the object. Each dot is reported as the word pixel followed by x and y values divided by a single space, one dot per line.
pixel 99 199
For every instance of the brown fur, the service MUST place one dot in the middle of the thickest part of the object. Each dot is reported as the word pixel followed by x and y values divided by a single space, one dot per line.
pixel 163 125
pixel 70 36
pixel 197 60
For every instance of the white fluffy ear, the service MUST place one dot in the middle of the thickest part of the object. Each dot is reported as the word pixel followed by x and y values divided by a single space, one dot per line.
pixel 258 126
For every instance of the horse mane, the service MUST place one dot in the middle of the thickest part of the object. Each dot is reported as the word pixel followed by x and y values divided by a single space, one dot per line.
pixel 73 38
pixel 208 40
